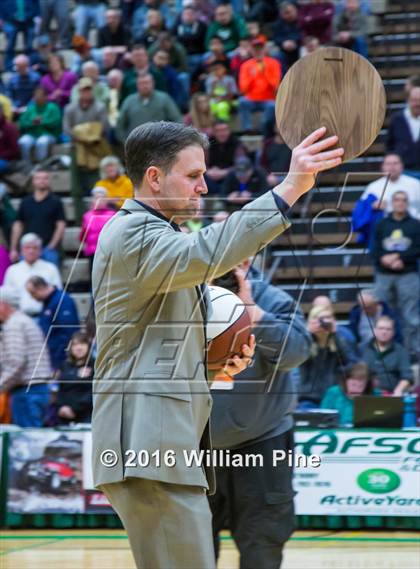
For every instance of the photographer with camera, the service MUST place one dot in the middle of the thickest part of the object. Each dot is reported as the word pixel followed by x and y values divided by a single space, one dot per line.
pixel 256 503
pixel 330 354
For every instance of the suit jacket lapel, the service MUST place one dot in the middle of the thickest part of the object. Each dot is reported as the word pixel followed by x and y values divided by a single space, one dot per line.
pixel 131 205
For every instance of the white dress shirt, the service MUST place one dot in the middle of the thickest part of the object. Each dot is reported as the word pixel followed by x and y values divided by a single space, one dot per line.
pixel 385 190
pixel 17 276
pixel 413 124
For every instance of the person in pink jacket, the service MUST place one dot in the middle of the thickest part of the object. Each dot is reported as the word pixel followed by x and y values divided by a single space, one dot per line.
pixel 93 221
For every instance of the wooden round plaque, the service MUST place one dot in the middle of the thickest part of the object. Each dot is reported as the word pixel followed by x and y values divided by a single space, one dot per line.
pixel 336 88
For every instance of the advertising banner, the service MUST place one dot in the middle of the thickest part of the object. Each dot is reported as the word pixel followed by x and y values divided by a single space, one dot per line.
pixel 362 473
pixel 45 472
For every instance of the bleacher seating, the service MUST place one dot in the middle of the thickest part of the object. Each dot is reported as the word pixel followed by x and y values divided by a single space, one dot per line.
pixel 321 253
pixel 320 244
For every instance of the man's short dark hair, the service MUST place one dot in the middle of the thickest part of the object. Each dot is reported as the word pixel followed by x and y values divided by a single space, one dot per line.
pixel 401 193
pixel 158 144
pixel 37 282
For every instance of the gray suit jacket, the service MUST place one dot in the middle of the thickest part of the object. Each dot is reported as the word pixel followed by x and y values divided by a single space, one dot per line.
pixel 150 388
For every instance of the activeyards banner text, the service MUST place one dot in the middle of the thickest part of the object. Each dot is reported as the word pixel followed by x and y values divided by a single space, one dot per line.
pixel 366 473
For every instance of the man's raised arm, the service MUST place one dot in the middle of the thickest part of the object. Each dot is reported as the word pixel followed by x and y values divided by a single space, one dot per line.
pixel 163 260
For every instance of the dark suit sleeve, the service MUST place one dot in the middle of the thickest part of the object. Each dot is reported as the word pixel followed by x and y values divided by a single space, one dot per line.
pixel 281 204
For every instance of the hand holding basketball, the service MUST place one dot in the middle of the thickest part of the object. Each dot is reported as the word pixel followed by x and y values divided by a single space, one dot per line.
pixel 239 363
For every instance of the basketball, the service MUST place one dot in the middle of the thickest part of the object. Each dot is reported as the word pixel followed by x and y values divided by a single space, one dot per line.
pixel 228 327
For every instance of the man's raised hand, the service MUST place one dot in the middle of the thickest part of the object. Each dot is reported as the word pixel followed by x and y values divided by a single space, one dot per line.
pixel 309 157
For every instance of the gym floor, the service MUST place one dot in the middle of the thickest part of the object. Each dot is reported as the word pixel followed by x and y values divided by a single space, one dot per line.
pixel 108 549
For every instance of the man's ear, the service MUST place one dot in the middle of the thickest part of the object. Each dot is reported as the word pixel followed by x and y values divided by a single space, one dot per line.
pixel 153 178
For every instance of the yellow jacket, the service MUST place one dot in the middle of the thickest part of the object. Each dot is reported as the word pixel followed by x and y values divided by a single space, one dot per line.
pixel 6 103
pixel 90 145
pixel 121 188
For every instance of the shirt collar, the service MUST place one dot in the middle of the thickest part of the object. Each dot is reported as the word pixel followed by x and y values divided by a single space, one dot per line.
pixel 409 115
pixel 159 214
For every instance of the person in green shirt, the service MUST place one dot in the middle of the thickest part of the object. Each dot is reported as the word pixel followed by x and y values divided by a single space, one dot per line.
pixel 147 105
pixel 40 126
pixel 177 53
pixel 228 27
pixel 357 381
pixel 139 59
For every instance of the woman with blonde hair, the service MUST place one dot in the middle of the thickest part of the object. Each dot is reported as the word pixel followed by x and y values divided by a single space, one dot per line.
pixel 200 115
pixel 114 180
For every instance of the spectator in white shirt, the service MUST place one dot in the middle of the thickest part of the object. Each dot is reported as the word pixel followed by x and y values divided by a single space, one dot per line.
pixel 392 181
pixel 376 200
pixel 31 265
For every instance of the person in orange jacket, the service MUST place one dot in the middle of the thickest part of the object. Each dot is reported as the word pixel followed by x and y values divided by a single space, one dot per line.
pixel 259 78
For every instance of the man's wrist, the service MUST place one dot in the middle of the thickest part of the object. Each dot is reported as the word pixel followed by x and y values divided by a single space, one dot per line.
pixel 293 187
pixel 282 205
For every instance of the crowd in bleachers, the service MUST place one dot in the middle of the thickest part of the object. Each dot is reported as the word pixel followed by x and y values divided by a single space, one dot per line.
pixel 87 80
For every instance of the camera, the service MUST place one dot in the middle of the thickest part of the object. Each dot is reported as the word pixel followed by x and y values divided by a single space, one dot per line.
pixel 326 324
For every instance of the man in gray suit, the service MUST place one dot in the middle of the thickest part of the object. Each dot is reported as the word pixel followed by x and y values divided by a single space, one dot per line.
pixel 151 393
